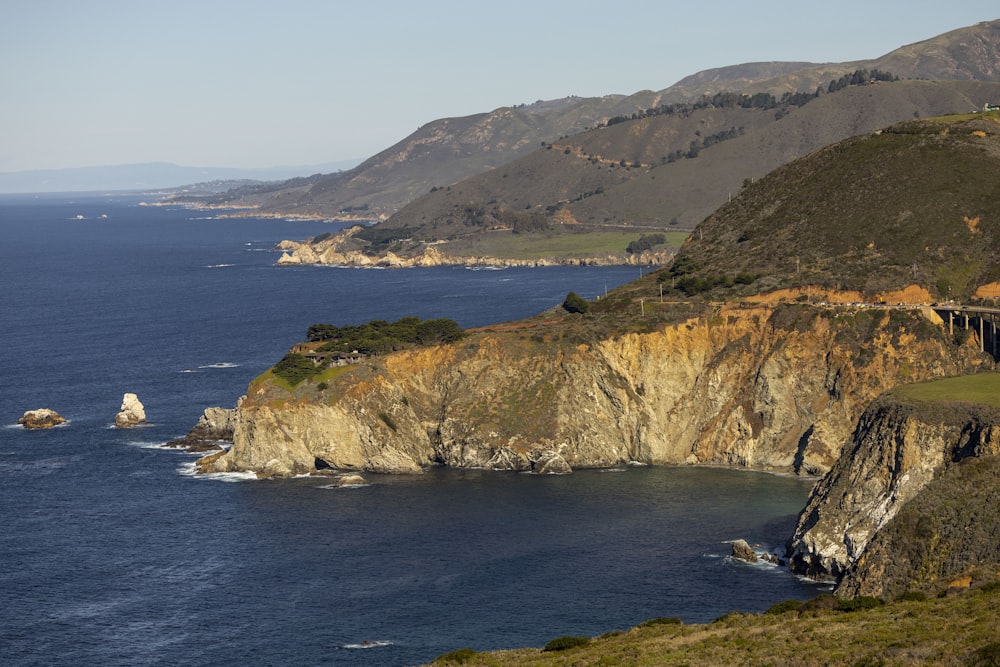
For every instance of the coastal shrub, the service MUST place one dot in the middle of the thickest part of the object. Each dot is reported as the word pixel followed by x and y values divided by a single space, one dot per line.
pixel 564 643
pixel 456 657
pixel 913 596
pixel 294 368
pixel 575 303
pixel 662 620
pixel 859 603
pixel 784 606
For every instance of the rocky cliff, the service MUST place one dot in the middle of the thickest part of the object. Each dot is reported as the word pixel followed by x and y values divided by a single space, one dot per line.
pixel 774 387
pixel 897 449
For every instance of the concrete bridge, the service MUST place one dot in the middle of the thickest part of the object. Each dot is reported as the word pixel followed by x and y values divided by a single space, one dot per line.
pixel 978 318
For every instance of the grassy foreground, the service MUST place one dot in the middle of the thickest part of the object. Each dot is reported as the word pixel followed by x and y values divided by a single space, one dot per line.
pixel 954 629
pixel 982 388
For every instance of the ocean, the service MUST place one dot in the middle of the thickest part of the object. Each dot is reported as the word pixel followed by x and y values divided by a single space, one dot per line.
pixel 113 553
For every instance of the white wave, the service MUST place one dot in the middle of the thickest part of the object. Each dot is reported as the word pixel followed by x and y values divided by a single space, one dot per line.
pixel 221 364
pixel 344 486
pixel 145 444
pixel 218 266
pixel 612 470
pixel 20 427
pixel 189 469
pixel 189 370
pixel 638 464
pixel 368 644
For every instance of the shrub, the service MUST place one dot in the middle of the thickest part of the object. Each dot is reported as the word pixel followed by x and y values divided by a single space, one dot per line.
pixel 575 303
pixel 662 620
pixel 456 657
pixel 564 643
pixel 294 368
pixel 859 603
pixel 913 596
pixel 786 605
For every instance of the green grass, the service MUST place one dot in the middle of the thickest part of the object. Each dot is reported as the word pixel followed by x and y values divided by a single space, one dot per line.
pixel 982 388
pixel 553 245
pixel 953 630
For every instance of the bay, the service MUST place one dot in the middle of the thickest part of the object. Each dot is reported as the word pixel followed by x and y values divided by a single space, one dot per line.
pixel 114 554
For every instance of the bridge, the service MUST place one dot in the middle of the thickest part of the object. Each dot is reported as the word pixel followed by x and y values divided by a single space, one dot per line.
pixel 977 318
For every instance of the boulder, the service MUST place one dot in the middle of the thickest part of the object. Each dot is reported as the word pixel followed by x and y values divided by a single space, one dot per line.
pixel 551 463
pixel 350 479
pixel 131 412
pixel 41 418
pixel 743 551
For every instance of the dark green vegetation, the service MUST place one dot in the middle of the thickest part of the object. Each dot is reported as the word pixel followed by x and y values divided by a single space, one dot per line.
pixel 574 303
pixel 380 337
pixel 371 338
pixel 917 203
pixel 949 630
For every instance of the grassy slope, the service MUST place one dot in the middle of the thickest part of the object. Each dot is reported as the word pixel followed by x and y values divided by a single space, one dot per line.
pixel 952 630
pixel 983 388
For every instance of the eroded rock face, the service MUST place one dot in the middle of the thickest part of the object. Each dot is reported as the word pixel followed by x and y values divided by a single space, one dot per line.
pixel 896 450
pixel 131 412
pixel 40 418
pixel 214 427
pixel 765 387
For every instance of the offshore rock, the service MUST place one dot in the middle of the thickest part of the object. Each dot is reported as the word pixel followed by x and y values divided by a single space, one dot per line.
pixel 215 426
pixel 40 418
pixel 896 450
pixel 743 551
pixel 131 412
pixel 771 387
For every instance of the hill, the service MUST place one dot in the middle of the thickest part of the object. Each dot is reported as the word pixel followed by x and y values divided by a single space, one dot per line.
pixel 916 203
pixel 447 151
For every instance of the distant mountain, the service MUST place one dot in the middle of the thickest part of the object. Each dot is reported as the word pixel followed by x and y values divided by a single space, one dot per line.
pixel 445 152
pixel 147 176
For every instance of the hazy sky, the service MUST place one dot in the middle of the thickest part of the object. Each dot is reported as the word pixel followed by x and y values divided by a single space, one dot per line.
pixel 247 83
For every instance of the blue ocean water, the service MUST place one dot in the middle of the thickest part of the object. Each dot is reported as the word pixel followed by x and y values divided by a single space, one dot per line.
pixel 111 553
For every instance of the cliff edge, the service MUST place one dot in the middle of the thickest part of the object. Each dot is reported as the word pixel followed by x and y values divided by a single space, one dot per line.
pixel 773 387
pixel 859 525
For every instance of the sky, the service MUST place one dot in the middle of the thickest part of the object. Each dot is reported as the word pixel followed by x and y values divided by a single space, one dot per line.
pixel 246 83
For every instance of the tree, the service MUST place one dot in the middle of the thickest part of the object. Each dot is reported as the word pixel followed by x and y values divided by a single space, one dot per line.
pixel 575 303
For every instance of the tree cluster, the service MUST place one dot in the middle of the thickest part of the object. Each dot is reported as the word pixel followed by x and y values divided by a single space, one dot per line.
pixel 645 242
pixel 380 337
pixel 860 77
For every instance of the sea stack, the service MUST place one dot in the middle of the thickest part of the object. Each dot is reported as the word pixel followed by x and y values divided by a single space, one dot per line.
pixel 131 412
pixel 41 418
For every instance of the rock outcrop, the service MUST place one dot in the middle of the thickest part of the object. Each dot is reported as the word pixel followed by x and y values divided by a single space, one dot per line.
pixel 215 426
pixel 131 412
pixel 743 551
pixel 896 451
pixel 40 418
pixel 774 387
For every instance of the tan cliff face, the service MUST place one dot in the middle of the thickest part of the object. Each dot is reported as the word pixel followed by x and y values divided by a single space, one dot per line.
pixel 768 387
pixel 896 450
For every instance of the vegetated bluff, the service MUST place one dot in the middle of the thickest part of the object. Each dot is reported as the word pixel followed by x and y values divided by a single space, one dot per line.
pixel 721 372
